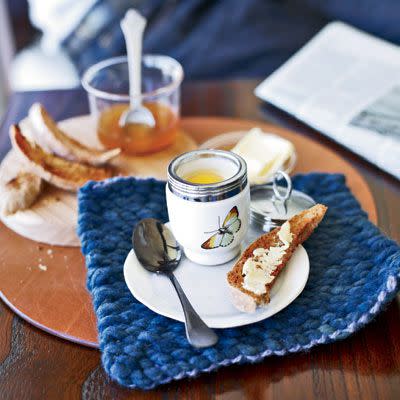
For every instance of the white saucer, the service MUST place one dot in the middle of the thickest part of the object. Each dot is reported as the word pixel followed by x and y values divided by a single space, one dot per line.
pixel 207 289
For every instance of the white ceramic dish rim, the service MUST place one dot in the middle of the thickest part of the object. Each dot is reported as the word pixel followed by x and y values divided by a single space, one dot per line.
pixel 240 319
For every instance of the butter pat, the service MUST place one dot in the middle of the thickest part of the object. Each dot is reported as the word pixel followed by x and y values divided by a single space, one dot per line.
pixel 258 270
pixel 284 234
pixel 264 154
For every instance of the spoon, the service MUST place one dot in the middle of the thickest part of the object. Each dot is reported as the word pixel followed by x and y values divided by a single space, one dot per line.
pixel 158 251
pixel 132 26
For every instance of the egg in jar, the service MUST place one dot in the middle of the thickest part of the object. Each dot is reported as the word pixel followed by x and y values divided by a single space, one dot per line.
pixel 208 201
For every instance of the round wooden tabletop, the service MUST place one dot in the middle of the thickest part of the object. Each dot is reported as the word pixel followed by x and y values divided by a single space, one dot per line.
pixel 46 285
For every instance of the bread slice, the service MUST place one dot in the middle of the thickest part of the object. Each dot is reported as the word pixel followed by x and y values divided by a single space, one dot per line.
pixel 301 227
pixel 62 173
pixel 20 192
pixel 52 139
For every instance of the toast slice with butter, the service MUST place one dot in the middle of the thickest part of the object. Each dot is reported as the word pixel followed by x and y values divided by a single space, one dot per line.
pixel 59 172
pixel 253 275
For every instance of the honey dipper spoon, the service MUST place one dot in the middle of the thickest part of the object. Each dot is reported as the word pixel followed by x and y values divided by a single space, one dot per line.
pixel 158 251
pixel 132 26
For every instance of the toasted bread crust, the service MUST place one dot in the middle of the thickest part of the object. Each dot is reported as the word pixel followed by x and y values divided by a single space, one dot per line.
pixel 52 139
pixel 20 192
pixel 59 172
pixel 301 226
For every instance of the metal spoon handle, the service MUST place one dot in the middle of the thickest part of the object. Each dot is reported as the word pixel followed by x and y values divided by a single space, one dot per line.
pixel 133 25
pixel 197 332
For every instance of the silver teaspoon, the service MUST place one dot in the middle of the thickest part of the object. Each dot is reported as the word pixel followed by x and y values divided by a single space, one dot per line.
pixel 132 26
pixel 158 251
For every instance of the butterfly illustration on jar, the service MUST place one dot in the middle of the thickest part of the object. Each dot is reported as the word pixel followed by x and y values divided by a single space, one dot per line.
pixel 225 234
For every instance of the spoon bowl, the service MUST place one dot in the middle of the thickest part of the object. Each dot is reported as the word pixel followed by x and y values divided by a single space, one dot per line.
pixel 155 246
pixel 158 251
pixel 140 115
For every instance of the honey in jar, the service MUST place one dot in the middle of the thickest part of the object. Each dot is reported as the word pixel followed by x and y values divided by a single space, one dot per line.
pixel 138 139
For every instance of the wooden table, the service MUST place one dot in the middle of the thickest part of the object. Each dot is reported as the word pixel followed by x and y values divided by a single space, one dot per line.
pixel 36 365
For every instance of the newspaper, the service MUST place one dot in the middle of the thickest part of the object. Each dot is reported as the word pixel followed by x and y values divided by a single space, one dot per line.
pixel 345 83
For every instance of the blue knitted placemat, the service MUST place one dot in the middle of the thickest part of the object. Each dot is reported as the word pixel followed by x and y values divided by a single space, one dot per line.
pixel 354 273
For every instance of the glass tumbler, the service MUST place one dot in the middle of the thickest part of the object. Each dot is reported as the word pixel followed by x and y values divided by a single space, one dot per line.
pixel 107 86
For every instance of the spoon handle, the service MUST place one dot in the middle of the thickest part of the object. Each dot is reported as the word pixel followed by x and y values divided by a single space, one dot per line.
pixel 197 332
pixel 133 25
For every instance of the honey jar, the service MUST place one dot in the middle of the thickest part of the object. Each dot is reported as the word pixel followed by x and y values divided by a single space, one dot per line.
pixel 107 85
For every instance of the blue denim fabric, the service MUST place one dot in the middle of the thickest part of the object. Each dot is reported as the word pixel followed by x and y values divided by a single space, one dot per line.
pixel 225 38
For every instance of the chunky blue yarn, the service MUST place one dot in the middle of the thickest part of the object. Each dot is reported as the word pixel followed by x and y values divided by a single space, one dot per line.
pixel 354 272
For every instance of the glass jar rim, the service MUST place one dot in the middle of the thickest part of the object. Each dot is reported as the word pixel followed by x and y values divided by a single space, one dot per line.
pixel 94 69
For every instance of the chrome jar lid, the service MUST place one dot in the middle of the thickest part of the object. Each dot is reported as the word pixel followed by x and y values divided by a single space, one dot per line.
pixel 273 204
pixel 231 166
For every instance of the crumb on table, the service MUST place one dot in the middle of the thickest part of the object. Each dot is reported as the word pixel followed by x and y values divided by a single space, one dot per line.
pixel 42 267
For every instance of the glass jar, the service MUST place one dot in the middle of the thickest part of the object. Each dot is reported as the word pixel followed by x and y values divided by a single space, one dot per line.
pixel 107 85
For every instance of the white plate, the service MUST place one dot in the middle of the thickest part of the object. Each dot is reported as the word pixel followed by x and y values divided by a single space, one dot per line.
pixel 207 289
